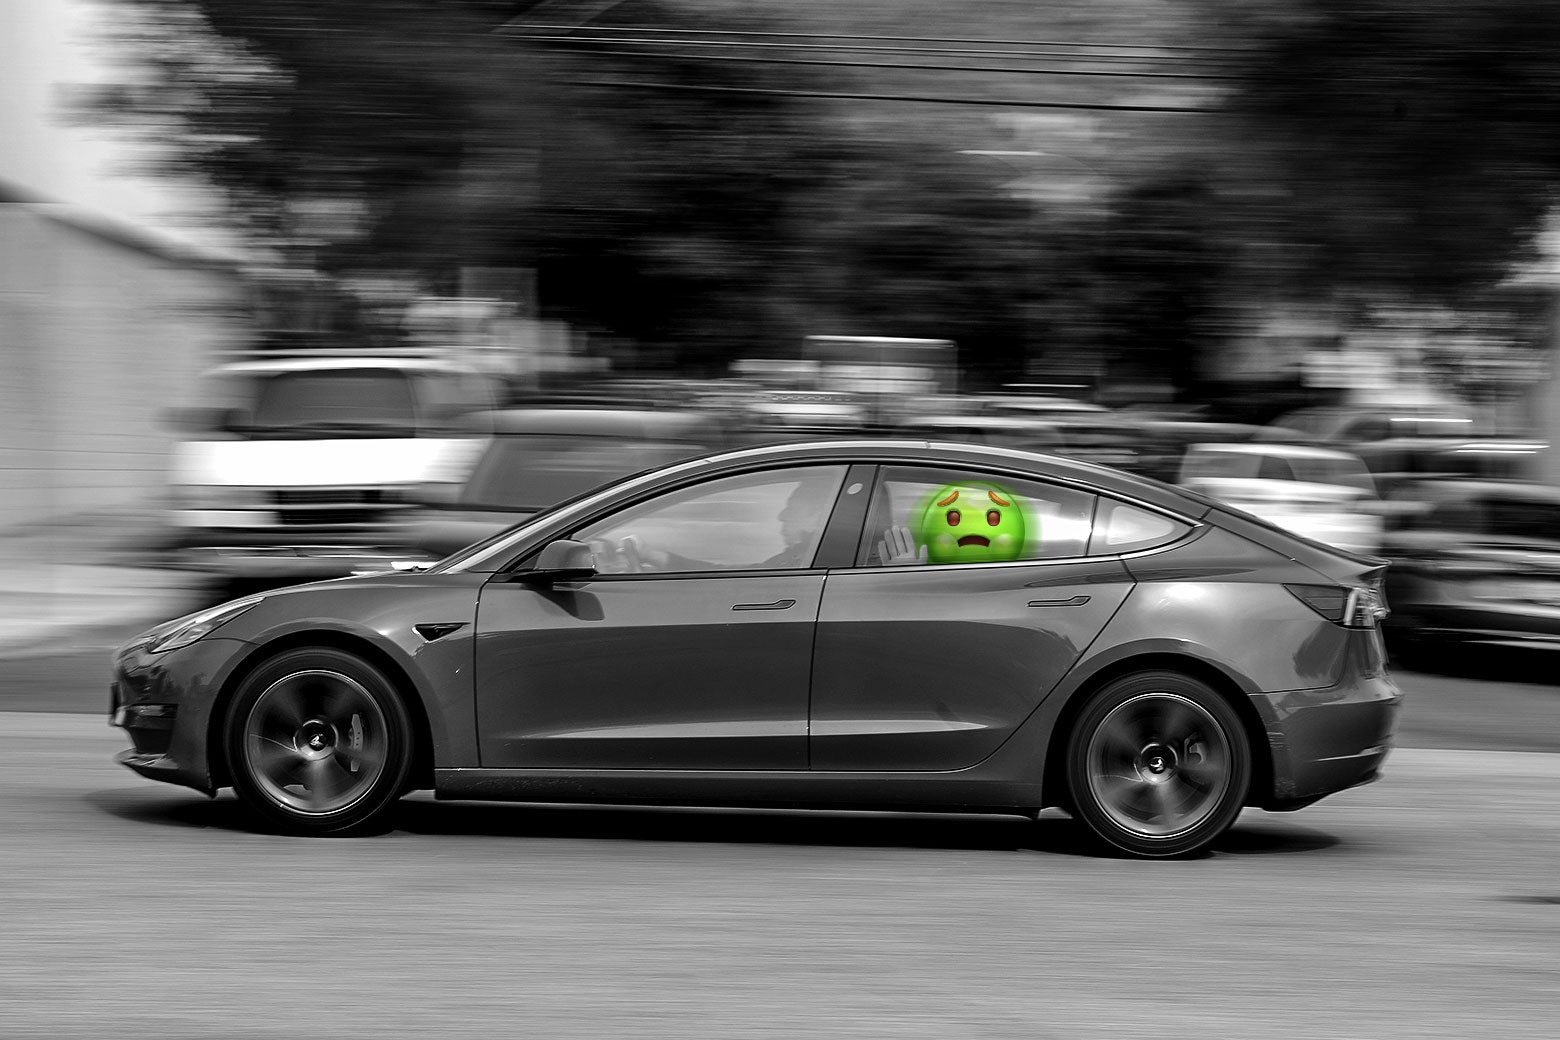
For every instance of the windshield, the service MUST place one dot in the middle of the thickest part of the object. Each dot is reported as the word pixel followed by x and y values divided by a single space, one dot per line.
pixel 535 471
pixel 335 398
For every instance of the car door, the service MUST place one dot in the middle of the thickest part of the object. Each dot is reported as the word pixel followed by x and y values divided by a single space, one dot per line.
pixel 931 651
pixel 690 649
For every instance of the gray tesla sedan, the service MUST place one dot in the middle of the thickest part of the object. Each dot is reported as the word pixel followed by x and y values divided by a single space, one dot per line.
pixel 854 624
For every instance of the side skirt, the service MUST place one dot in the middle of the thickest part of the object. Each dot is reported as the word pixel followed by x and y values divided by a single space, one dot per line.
pixel 901 792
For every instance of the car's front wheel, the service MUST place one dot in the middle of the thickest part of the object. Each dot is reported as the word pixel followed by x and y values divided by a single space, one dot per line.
pixel 318 741
pixel 1157 764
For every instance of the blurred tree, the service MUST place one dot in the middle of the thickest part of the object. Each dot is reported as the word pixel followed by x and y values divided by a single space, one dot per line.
pixel 356 136
pixel 1161 270
pixel 921 243
pixel 1396 144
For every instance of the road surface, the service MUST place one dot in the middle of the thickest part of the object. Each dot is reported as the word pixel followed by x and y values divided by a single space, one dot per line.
pixel 1427 905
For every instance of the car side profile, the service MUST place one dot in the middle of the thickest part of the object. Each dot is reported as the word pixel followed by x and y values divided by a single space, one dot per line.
pixel 865 624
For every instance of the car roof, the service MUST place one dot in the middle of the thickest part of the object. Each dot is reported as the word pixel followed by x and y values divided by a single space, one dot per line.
pixel 995 422
pixel 911 451
pixel 1291 451
pixel 326 364
pixel 599 422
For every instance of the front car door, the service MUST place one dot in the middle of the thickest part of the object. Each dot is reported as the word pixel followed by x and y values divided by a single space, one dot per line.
pixel 972 595
pixel 690 649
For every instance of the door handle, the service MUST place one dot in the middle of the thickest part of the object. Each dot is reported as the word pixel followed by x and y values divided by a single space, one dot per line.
pixel 1076 601
pixel 779 604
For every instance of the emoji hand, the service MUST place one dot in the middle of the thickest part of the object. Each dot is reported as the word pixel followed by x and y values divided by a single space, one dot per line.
pixel 898 547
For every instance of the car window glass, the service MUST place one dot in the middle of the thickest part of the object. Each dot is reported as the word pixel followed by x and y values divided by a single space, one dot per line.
pixel 1120 528
pixel 1458 516
pixel 943 516
pixel 1343 471
pixel 534 471
pixel 337 398
pixel 1523 518
pixel 1274 468
pixel 768 520
pixel 1208 464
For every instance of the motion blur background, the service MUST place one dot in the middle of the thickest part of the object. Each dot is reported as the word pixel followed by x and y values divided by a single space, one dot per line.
pixel 1300 255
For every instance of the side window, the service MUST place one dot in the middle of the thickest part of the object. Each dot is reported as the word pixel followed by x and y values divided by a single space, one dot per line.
pixel 923 515
pixel 754 521
pixel 1120 528
pixel 1274 468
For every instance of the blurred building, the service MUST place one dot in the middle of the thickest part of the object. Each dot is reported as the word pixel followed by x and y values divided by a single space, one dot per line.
pixel 104 313
pixel 102 327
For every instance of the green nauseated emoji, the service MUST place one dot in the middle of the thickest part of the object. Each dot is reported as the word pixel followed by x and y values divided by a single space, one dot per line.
pixel 972 523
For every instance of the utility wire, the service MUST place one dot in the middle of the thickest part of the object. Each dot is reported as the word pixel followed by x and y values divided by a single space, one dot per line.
pixel 921 98
pixel 1009 70
pixel 880 39
pixel 937 51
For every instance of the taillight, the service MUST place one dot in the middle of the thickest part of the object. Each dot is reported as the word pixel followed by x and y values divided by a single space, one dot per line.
pixel 1361 606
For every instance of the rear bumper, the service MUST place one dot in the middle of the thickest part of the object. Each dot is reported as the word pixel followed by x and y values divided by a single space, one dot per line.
pixel 1328 740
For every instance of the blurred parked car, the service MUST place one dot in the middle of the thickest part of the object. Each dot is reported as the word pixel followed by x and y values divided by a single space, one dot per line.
pixel 1162 444
pixel 1478 561
pixel 295 468
pixel 1348 426
pixel 1007 431
pixel 538 457
pixel 1321 493
pixel 1404 460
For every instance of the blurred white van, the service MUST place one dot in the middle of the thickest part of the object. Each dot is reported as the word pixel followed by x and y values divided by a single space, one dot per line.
pixel 304 467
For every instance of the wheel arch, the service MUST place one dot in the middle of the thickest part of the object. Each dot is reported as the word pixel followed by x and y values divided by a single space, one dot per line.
pixel 421 775
pixel 1054 783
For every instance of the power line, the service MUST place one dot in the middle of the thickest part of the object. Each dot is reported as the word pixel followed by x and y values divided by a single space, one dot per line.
pixel 1006 70
pixel 944 52
pixel 919 98
pixel 879 39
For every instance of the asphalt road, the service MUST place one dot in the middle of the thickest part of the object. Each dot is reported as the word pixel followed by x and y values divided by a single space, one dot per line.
pixel 1426 905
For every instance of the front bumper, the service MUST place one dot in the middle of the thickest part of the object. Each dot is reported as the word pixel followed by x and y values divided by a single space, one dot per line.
pixel 165 703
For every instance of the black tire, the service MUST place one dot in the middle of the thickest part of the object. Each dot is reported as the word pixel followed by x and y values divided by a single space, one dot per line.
pixel 1158 764
pixel 318 742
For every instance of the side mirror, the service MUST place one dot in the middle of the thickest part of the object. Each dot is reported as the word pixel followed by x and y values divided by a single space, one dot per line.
pixel 562 560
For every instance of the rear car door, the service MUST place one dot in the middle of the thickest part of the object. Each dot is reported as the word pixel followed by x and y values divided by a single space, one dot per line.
pixel 934 647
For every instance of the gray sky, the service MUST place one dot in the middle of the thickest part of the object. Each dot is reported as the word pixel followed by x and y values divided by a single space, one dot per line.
pixel 48 46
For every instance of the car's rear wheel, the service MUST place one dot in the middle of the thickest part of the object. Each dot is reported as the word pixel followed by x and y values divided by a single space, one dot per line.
pixel 319 742
pixel 1157 764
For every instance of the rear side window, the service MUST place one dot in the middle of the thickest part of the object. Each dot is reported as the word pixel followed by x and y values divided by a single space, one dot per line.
pixel 1120 528
pixel 952 516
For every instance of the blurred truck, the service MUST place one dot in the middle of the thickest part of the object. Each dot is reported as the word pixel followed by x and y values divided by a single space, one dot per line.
pixel 297 468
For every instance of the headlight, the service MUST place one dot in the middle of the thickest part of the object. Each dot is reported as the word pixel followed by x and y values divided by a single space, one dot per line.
pixel 198 626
